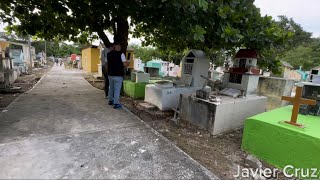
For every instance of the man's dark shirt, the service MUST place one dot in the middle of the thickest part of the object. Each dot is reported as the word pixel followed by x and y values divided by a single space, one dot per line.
pixel 115 64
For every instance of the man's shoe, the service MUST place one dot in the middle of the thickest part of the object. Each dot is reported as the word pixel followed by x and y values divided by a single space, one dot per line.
pixel 117 106
pixel 110 103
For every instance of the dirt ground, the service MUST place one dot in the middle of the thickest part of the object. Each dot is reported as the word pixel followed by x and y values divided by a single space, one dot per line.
pixel 26 82
pixel 220 154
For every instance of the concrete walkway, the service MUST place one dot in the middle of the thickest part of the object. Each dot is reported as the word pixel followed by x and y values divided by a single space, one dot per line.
pixel 63 128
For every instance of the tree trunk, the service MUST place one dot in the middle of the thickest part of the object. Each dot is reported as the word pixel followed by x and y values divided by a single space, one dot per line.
pixel 104 38
pixel 120 28
pixel 122 32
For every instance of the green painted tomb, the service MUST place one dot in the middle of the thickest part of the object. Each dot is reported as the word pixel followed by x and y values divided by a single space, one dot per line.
pixel 270 139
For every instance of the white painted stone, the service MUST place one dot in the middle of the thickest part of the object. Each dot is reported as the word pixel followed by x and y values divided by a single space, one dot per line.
pixel 165 98
pixel 219 117
pixel 99 75
pixel 140 77
pixel 249 83
pixel 164 84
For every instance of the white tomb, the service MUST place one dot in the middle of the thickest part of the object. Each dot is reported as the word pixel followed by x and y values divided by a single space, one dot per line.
pixel 164 97
pixel 221 113
pixel 138 64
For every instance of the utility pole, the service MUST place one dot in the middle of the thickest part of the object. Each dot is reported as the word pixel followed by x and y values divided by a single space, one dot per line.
pixel 30 55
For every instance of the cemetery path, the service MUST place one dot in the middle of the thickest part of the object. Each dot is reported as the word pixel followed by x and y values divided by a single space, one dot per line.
pixel 63 128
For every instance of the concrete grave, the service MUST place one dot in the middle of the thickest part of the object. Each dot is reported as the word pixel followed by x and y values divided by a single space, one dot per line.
pixel 227 109
pixel 157 68
pixel 7 72
pixel 154 72
pixel 282 144
pixel 219 117
pixel 140 77
pixel 273 88
pixel 282 137
pixel 135 87
pixel 310 91
pixel 193 66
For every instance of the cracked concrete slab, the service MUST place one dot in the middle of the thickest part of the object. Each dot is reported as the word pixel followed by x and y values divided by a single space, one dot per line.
pixel 63 128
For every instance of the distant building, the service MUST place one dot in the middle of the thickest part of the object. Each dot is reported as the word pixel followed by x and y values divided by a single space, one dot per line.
pixel 90 58
pixel 287 69
pixel 290 73
pixel 157 67
pixel 173 70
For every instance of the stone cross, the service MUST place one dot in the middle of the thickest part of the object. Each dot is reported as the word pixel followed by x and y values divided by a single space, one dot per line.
pixel 296 101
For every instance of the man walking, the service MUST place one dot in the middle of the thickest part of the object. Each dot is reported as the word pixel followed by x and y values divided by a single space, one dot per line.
pixel 104 60
pixel 116 63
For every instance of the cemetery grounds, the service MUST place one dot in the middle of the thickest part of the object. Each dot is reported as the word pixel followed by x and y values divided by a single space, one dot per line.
pixel 220 154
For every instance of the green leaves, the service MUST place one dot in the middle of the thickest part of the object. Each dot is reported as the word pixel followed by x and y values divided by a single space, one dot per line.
pixel 199 33
pixel 170 25
pixel 306 55
pixel 203 4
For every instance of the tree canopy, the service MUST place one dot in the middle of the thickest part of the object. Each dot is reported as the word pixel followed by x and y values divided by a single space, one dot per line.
pixel 171 25
pixel 306 55
pixel 57 49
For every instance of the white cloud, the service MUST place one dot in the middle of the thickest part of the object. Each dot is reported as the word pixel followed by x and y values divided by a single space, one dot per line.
pixel 304 12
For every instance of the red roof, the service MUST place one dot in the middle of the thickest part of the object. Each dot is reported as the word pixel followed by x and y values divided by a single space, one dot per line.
pixel 247 53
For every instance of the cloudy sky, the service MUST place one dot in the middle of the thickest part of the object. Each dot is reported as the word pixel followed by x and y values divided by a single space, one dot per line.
pixel 304 12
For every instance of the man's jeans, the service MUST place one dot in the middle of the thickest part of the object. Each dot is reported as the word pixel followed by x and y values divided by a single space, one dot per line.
pixel 115 84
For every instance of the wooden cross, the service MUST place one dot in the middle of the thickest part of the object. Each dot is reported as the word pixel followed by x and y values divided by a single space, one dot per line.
pixel 296 101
